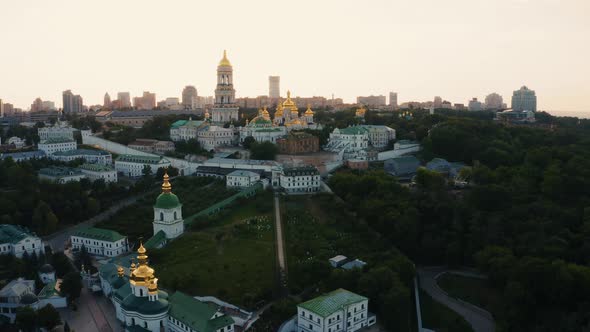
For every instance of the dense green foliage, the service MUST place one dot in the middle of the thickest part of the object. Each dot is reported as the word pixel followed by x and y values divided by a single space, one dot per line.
pixel 45 207
pixel 529 197
pixel 263 151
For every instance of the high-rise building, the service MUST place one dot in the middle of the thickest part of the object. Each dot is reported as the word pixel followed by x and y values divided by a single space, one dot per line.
pixel 107 101
pixel 494 102
pixel 189 97
pixel 1 109
pixel 146 102
pixel 274 87
pixel 393 100
pixel 37 105
pixel 72 103
pixel 524 100
pixel 475 105
pixel 124 99
pixel 225 108
pixel 438 102
pixel 371 100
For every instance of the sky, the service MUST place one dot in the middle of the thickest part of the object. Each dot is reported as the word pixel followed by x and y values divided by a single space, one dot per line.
pixel 456 49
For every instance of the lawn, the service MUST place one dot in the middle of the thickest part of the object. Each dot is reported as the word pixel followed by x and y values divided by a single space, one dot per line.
pixel 233 258
pixel 473 290
pixel 195 194
pixel 436 316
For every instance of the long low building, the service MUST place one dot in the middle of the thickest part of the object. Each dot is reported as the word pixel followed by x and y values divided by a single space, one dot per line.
pixel 61 175
pixel 27 155
pixel 88 155
pixel 132 166
pixel 270 167
pixel 99 172
pixel 16 240
pixel 57 144
pixel 100 242
pixel 300 180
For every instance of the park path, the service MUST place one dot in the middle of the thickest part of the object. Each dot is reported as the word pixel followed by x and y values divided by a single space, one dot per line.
pixel 480 320
pixel 280 245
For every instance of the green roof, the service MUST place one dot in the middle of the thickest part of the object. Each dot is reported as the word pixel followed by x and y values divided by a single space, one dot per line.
pixel 142 159
pixel 196 314
pixel 167 201
pixel 143 305
pixel 57 140
pixel 49 291
pixel 181 123
pixel 55 171
pixel 156 240
pixel 96 167
pixel 13 233
pixel 327 304
pixel 99 234
pixel 354 130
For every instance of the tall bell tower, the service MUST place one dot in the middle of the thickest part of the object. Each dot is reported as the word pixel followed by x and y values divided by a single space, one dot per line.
pixel 225 108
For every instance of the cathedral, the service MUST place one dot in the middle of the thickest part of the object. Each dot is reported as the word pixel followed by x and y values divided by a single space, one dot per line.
pixel 168 220
pixel 286 118
pixel 225 108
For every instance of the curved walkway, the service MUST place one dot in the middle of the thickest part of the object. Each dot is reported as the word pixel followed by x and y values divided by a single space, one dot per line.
pixel 480 319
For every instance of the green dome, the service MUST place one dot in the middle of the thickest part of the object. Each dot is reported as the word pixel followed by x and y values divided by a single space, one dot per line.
pixel 167 201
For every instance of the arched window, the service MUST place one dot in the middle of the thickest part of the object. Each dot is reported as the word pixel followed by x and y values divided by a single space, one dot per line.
pixel 161 215
pixel 174 215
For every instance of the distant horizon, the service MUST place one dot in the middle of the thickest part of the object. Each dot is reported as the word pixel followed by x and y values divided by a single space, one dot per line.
pixel 457 49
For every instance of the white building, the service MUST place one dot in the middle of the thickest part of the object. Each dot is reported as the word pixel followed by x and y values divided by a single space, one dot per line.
pixel 61 175
pixel 52 145
pixel 208 135
pixel 262 129
pixel 241 179
pixel 61 130
pixel 349 143
pixel 475 105
pixel 132 165
pixel 225 108
pixel 97 172
pixel 17 141
pixel 339 310
pixel 16 240
pixel 100 242
pixel 379 136
pixel 269 166
pixel 168 212
pixel 18 293
pixel 183 130
pixel 89 156
pixel 300 180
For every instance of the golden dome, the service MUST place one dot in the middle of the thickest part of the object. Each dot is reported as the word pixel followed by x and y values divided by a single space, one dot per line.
pixel 308 111
pixel 224 61
pixel 120 271
pixel 143 274
pixel 153 287
pixel 166 186
pixel 265 113
pixel 279 112
pixel 289 103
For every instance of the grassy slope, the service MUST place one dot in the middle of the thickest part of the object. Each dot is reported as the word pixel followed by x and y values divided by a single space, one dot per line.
pixel 436 316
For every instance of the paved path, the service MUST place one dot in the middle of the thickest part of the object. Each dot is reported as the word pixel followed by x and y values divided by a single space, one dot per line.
pixel 280 247
pixel 480 320
pixel 57 240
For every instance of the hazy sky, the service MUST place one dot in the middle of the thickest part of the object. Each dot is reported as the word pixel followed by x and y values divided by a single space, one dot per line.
pixel 457 49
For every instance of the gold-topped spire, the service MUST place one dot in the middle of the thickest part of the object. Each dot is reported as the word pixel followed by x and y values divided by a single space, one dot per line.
pixel 308 111
pixel 142 257
pixel 224 61
pixel 166 186
pixel 120 271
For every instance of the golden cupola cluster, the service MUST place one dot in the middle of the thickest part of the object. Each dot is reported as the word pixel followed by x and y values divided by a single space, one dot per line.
pixel 308 111
pixel 143 274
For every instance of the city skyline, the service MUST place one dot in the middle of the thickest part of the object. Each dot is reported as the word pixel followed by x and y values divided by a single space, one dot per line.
pixel 344 48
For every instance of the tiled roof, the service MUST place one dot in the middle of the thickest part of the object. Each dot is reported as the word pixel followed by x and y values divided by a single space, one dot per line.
pixel 96 168
pixel 242 173
pixel 196 314
pixel 13 233
pixel 86 152
pixel 142 159
pixel 99 234
pixel 156 240
pixel 327 304
pixel 304 170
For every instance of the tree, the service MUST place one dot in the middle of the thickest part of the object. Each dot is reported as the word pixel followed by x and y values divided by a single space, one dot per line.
pixel 66 327
pixel 146 171
pixel 263 151
pixel 48 317
pixel 26 319
pixel 248 142
pixel 71 286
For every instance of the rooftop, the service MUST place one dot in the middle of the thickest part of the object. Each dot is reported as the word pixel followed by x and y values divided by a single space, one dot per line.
pixel 242 173
pixel 196 314
pixel 24 155
pixel 18 287
pixel 86 152
pixel 303 170
pixel 99 234
pixel 328 304
pixel 55 171
pixel 354 130
pixel 142 159
pixel 57 140
pixel 96 168
pixel 13 233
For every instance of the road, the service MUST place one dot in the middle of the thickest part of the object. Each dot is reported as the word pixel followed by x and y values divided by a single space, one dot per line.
pixel 57 240
pixel 480 320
